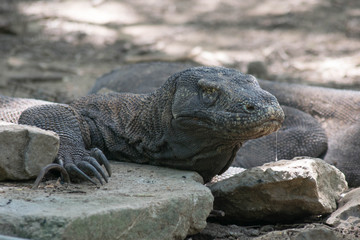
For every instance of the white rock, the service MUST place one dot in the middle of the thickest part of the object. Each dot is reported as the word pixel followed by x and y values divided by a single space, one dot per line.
pixel 280 191
pixel 25 150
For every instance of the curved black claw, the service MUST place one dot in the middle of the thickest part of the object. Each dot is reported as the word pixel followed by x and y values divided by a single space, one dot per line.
pixel 95 164
pixel 72 168
pixel 87 167
pixel 46 169
pixel 99 155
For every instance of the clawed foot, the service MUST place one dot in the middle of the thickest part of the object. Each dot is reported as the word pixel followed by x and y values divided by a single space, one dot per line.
pixel 90 164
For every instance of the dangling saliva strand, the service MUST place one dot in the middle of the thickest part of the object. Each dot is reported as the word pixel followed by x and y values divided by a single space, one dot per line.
pixel 276 146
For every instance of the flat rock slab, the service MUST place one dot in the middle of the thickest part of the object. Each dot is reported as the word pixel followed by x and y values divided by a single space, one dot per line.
pixel 139 202
pixel 281 191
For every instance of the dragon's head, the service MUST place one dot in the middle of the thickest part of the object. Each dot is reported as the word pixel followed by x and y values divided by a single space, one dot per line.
pixel 224 103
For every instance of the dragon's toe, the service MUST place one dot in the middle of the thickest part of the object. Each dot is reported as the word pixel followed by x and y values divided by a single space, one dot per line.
pixel 100 157
pixel 46 169
pixel 97 166
pixel 74 170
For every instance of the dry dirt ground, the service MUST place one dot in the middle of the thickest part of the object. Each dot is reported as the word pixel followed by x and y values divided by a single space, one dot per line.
pixel 55 49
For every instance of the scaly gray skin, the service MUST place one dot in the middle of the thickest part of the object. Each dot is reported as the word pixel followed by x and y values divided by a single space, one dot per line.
pixel 196 121
pixel 320 122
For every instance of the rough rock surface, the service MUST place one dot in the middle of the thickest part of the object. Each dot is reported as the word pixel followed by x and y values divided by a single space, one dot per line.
pixel 273 232
pixel 140 202
pixel 285 190
pixel 347 216
pixel 25 150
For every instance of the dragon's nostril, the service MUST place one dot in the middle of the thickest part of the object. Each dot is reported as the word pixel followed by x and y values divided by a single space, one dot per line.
pixel 249 107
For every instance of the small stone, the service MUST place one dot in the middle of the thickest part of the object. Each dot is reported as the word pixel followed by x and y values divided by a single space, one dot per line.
pixel 281 191
pixel 289 231
pixel 267 228
pixel 309 232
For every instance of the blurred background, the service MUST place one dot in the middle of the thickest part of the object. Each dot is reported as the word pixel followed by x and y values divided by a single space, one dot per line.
pixel 55 49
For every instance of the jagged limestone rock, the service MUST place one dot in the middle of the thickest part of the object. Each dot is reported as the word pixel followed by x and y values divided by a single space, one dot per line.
pixel 280 191
pixel 25 150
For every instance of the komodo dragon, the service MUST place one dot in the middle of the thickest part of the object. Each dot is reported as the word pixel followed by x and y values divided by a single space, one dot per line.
pixel 197 120
pixel 320 122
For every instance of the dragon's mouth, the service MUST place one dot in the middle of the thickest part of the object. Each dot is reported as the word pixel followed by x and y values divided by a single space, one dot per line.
pixel 230 125
pixel 265 128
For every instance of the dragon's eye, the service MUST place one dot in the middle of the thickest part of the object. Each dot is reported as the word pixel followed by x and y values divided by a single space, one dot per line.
pixel 209 91
pixel 209 96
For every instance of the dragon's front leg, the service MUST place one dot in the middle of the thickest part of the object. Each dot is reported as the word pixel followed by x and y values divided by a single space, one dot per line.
pixel 75 157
